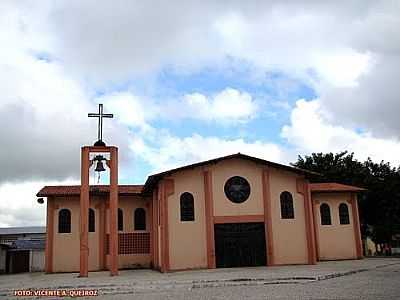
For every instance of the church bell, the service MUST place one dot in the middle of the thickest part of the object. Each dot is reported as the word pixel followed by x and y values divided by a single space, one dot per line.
pixel 100 166
pixel 99 163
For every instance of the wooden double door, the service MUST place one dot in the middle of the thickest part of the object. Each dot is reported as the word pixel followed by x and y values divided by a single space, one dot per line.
pixel 240 245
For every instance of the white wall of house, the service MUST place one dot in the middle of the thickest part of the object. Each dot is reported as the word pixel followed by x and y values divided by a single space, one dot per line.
pixel 36 261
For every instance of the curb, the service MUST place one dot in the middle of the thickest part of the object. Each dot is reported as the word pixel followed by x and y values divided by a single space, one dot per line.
pixel 341 274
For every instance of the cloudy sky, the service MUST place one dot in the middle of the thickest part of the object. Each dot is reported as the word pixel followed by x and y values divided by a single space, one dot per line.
pixel 188 81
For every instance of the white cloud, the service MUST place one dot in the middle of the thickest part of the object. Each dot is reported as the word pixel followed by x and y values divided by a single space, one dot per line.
pixel 120 39
pixel 43 109
pixel 373 103
pixel 312 130
pixel 170 151
pixel 348 52
pixel 313 42
pixel 129 109
pixel 226 106
pixel 44 122
pixel 344 68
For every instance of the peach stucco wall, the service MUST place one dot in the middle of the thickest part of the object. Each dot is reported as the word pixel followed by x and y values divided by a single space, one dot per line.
pixel 128 204
pixel 66 245
pixel 187 240
pixel 221 172
pixel 336 241
pixel 289 235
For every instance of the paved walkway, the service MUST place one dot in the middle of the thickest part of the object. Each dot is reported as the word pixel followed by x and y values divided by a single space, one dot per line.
pixel 148 281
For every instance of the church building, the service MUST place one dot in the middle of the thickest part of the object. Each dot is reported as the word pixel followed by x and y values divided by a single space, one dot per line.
pixel 230 211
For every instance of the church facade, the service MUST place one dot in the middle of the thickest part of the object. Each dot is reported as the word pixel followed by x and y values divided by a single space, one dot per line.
pixel 231 211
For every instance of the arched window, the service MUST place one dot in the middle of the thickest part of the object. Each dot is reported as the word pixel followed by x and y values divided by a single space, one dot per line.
pixel 287 211
pixel 344 214
pixel 92 220
pixel 64 221
pixel 120 220
pixel 187 207
pixel 325 212
pixel 140 219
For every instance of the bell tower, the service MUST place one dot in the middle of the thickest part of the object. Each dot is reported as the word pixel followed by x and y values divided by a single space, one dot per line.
pixel 86 162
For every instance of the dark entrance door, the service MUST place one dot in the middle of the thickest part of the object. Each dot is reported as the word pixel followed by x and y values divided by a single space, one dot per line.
pixel 240 245
pixel 19 261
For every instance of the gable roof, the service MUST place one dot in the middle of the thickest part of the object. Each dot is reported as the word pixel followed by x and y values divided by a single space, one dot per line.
pixel 334 187
pixel 75 190
pixel 153 179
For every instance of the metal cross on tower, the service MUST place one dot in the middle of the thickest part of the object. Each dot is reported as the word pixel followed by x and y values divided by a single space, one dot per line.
pixel 100 115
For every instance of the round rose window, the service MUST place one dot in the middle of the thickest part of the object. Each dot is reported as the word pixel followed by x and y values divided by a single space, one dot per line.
pixel 237 189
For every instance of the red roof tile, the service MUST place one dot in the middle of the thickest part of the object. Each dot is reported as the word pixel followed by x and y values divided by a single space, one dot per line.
pixel 334 187
pixel 74 190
